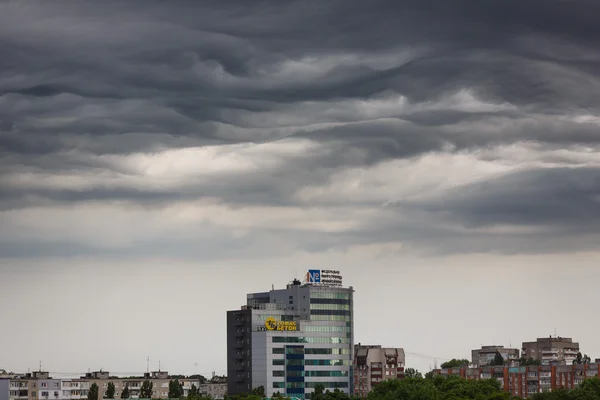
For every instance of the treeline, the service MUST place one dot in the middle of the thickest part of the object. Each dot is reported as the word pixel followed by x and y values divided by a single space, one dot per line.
pixel 443 388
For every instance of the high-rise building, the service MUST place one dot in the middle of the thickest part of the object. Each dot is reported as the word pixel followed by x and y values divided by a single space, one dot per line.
pixel 374 364
pixel 290 340
pixel 485 355
pixel 551 350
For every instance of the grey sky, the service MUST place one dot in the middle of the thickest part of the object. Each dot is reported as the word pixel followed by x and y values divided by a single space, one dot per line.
pixel 158 162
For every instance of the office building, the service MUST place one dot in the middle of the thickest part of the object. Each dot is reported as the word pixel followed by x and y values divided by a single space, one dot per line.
pixel 551 350
pixel 290 340
pixel 527 381
pixel 485 355
pixel 374 364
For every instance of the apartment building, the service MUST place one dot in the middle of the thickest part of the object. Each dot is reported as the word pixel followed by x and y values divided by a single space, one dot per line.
pixel 485 355
pixel 526 381
pixel 551 350
pixel 214 390
pixel 40 386
pixel 290 340
pixel 374 364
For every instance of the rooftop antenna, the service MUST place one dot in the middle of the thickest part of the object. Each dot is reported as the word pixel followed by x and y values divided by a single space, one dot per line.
pixel 148 365
pixel 40 365
pixel 272 286
pixel 158 365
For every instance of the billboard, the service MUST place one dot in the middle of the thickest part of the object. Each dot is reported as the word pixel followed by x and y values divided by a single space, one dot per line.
pixel 271 324
pixel 314 276
pixel 324 277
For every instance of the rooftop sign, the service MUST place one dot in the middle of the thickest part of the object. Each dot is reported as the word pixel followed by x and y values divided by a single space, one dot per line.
pixel 271 324
pixel 324 277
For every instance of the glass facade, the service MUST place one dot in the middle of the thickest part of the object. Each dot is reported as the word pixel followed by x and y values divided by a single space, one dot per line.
pixel 294 371
pixel 319 351
pixel 309 339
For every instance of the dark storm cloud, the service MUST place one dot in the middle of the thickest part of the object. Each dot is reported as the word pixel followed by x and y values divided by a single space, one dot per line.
pixel 118 78
pixel 166 59
pixel 556 197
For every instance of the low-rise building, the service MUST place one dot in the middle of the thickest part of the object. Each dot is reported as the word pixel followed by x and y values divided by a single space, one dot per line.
pixel 485 355
pixel 214 390
pixel 40 386
pixel 528 380
pixel 374 364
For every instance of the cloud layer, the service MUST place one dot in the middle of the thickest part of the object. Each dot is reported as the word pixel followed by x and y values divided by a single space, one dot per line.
pixel 257 130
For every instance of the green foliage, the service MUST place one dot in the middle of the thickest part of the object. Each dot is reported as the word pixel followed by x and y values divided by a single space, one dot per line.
pixel 525 362
pixel 455 388
pixel 125 393
pixel 259 391
pixel 498 359
pixel 110 391
pixel 146 390
pixel 585 359
pixel 454 363
pixel 175 389
pixel 194 392
pixel 201 378
pixel 199 397
pixel 244 396
pixel 337 394
pixel 412 373
pixel 439 388
pixel 93 392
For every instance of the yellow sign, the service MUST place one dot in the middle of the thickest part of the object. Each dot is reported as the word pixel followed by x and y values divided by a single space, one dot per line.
pixel 273 325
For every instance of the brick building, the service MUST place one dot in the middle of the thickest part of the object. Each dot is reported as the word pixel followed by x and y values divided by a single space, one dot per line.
pixel 526 381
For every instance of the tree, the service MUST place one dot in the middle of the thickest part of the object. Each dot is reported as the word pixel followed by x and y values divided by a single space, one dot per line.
pixel 582 359
pixel 193 391
pixel 318 392
pixel 146 390
pixel 110 391
pixel 93 392
pixel 175 389
pixel 524 362
pixel 201 378
pixel 259 391
pixel 455 363
pixel 412 373
pixel 125 393
pixel 498 359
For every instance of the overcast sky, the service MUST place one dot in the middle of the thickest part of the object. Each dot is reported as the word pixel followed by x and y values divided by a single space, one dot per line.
pixel 161 160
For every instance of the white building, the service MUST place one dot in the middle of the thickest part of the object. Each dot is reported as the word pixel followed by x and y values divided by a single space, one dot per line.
pixel 292 339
